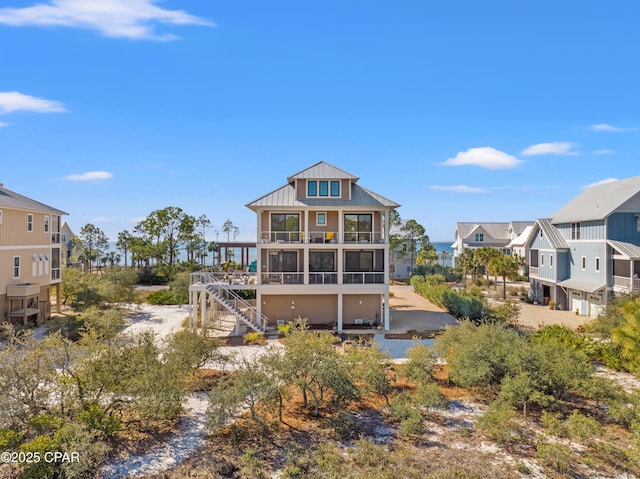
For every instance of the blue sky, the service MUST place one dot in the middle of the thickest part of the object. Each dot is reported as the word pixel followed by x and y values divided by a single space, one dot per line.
pixel 458 110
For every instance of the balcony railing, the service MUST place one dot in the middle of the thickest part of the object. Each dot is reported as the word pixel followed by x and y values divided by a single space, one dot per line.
pixel 322 237
pixel 533 270
pixel 55 274
pixel 282 278
pixel 55 238
pixel 323 278
pixel 632 284
pixel 363 278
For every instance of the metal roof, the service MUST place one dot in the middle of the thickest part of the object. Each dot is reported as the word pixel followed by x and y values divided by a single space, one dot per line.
pixel 520 226
pixel 629 250
pixel 579 285
pixel 523 238
pixel 323 171
pixel 598 202
pixel 11 199
pixel 552 234
pixel 285 196
pixel 495 230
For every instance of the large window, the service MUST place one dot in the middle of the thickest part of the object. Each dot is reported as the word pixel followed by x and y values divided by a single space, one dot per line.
pixel 322 261
pixel 335 188
pixel 283 261
pixel 533 258
pixel 358 227
pixel 358 261
pixel 324 188
pixel 285 227
pixel 312 188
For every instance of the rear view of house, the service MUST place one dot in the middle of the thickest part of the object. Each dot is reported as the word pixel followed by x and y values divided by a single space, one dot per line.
pixel 30 257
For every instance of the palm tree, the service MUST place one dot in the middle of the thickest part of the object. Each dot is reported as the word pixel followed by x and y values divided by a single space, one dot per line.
pixel 484 256
pixel 505 266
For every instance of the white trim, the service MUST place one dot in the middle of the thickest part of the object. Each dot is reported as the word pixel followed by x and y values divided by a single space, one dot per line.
pixel 318 213
pixel 29 222
pixel 307 189
pixel 13 266
pixel 46 223
pixel 0 217
pixel 22 247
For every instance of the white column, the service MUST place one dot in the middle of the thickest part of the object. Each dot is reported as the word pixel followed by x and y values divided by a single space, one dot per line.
pixel 203 307
pixel 306 228
pixel 340 238
pixel 340 259
pixel 387 316
pixel 192 311
pixel 339 311
pixel 305 264
pixel 386 226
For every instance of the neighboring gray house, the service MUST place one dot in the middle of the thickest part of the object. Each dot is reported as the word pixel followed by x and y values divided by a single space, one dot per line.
pixel 589 250
pixel 497 235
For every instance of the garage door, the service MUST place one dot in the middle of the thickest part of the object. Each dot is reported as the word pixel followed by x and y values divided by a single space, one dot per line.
pixel 578 303
pixel 596 305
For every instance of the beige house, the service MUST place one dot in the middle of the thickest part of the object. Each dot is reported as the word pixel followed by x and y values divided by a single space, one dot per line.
pixel 30 258
pixel 322 254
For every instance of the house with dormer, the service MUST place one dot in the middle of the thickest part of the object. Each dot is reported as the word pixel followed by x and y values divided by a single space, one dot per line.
pixel 499 235
pixel 30 258
pixel 589 250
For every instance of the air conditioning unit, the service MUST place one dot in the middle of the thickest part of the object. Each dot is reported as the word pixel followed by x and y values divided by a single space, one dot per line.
pixel 358 321
pixel 280 322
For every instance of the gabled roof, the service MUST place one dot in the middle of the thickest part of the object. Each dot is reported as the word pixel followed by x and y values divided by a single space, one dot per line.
pixel 553 235
pixel 322 170
pixel 285 196
pixel 520 226
pixel 495 230
pixel 11 199
pixel 523 238
pixel 629 250
pixel 598 202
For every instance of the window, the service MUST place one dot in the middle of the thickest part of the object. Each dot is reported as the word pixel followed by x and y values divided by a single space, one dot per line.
pixel 283 262
pixel 29 222
pixel 597 265
pixel 46 223
pixel 285 226
pixel 541 260
pixel 0 217
pixel 551 261
pixel 575 231
pixel 16 267
pixel 322 262
pixel 584 263
pixel 359 261
pixel 321 219
pixel 479 237
pixel 357 227
pixel 324 188
pixel 312 188
pixel 533 258
pixel 637 221
pixel 335 188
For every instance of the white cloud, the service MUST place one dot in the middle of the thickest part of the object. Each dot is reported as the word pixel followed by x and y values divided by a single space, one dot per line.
pixel 459 189
pixel 611 128
pixel 135 19
pixel 603 152
pixel 554 148
pixel 3 124
pixel 601 182
pixel 485 157
pixel 16 101
pixel 89 176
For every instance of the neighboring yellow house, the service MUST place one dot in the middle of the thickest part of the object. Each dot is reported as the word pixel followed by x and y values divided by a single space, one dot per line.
pixel 30 258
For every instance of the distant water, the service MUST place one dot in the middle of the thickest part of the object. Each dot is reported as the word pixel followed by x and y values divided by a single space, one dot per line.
pixel 441 246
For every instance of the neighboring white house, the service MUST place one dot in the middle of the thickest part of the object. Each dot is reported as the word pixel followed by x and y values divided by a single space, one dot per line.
pixel 498 235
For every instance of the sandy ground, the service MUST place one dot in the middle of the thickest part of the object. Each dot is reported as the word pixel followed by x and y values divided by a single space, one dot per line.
pixel 411 312
pixel 537 316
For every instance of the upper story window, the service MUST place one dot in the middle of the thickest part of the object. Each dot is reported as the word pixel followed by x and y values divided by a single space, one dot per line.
pixel 16 267
pixel 358 227
pixel 324 188
pixel 479 237
pixel 321 219
pixel 335 188
pixel 551 261
pixel 597 265
pixel 575 231
pixel 285 226
pixel 584 263
pixel 533 258
pixel 541 260
pixel 29 222
pixel 312 188
pixel 0 217
pixel 46 223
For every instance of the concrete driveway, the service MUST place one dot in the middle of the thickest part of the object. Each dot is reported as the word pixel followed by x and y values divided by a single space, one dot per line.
pixel 411 312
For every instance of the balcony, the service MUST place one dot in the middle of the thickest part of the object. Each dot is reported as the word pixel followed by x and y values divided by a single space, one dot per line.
pixel 55 274
pixel 55 238
pixel 322 237
pixel 363 278
pixel 323 278
pixel 282 278
pixel 632 284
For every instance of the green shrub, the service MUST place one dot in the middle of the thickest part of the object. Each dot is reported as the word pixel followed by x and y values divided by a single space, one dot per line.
pixel 420 364
pixel 9 438
pixel 553 423
pixel 430 397
pixel 582 427
pixel 499 423
pixel 163 297
pixel 95 418
pixel 555 456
